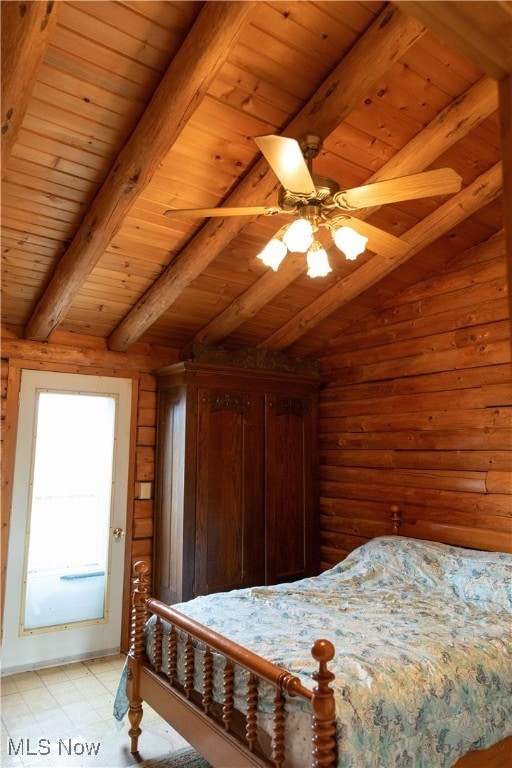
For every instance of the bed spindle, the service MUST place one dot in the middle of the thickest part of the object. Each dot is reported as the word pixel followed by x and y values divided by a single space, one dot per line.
pixel 189 667
pixel 157 645
pixel 227 708
pixel 173 654
pixel 251 721
pixel 278 738
pixel 207 696
pixel 322 704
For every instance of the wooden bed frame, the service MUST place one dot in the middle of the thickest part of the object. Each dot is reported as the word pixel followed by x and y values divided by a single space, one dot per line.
pixel 220 733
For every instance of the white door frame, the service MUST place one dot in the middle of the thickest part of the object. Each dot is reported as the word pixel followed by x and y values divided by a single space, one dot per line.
pixel 86 640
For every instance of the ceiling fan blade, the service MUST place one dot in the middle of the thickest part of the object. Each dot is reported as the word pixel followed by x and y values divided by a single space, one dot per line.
pixel 379 241
pixel 285 157
pixel 439 182
pixel 206 213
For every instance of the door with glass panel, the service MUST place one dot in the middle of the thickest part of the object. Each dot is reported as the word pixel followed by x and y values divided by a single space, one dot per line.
pixel 65 563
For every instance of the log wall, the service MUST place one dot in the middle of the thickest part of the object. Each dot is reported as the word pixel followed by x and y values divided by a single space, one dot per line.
pixel 81 354
pixel 417 412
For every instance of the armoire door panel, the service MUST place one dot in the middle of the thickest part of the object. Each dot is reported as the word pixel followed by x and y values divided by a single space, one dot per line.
pixel 289 499
pixel 229 503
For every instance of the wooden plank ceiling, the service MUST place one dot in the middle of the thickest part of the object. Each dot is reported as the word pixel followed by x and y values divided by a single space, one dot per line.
pixel 114 112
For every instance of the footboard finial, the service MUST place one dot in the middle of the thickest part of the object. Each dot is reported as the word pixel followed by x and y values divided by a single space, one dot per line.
pixel 324 713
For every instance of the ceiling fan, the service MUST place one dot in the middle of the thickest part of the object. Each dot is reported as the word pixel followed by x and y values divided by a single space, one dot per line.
pixel 316 201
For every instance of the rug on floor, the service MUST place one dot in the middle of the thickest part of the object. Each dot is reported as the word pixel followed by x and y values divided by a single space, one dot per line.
pixel 183 758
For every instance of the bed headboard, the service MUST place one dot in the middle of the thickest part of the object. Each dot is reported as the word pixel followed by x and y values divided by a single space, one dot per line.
pixel 471 537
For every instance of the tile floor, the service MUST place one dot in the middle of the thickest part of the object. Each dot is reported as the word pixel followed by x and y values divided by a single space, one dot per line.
pixel 61 717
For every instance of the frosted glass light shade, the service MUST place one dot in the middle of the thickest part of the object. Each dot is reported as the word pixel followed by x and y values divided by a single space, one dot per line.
pixel 273 253
pixel 350 242
pixel 298 236
pixel 318 263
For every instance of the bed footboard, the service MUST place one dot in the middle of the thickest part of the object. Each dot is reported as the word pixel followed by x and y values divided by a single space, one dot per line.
pixel 191 691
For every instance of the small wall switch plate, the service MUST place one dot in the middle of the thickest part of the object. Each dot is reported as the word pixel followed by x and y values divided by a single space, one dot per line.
pixel 145 490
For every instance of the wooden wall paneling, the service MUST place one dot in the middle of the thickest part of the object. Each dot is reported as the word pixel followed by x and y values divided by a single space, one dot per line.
pixel 418 412
pixel 143 519
pixel 471 460
pixel 505 91
pixel 489 376
pixel 485 39
pixel 77 351
pixel 145 463
pixel 429 420
pixel 498 482
pixel 463 502
pixel 367 518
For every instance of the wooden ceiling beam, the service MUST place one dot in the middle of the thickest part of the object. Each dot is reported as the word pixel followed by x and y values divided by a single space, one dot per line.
pixel 26 30
pixel 483 190
pixel 448 127
pixel 178 95
pixel 384 43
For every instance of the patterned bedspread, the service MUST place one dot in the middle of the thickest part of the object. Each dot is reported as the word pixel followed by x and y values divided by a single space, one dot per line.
pixel 423 638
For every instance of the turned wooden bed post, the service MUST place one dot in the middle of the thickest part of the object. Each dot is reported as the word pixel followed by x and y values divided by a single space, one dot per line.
pixel 396 519
pixel 323 707
pixel 137 649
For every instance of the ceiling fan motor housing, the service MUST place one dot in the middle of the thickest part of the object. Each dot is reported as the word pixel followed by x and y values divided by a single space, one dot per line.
pixel 310 145
pixel 324 190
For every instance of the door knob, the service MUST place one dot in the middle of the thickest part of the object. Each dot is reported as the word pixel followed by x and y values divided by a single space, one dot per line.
pixel 118 533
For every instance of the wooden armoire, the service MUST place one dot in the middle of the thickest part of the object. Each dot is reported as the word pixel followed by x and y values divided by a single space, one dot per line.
pixel 236 496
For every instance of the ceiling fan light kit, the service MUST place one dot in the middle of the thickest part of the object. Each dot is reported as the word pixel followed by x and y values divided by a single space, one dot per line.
pixel 273 253
pixel 298 237
pixel 316 201
pixel 318 263
pixel 349 241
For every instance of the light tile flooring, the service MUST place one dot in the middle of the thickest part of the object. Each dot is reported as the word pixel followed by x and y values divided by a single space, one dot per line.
pixel 62 716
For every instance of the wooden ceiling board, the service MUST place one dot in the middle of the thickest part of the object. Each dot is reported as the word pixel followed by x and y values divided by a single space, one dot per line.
pixel 115 38
pixel 436 61
pixel 101 66
pixel 302 40
pixel 64 210
pixel 129 264
pixel 478 31
pixel 79 162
